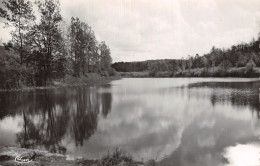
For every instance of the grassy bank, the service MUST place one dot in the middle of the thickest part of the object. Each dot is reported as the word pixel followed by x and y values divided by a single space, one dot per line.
pixel 134 74
pixel 40 157
pixel 200 72
pixel 70 81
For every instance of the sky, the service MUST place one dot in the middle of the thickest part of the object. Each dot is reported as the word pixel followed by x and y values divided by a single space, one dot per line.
pixel 137 30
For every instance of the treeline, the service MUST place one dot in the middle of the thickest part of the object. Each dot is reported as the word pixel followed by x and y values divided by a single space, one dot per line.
pixel 45 49
pixel 215 63
pixel 158 65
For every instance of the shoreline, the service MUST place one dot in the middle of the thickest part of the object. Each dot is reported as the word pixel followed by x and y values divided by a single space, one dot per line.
pixel 100 81
pixel 66 84
pixel 14 155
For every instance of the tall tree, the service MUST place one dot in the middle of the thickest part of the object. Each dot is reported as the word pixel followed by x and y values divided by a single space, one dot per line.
pixel 19 14
pixel 45 39
pixel 83 46
pixel 205 63
pixel 196 61
pixel 190 58
pixel 105 56
pixel 183 63
pixel 78 45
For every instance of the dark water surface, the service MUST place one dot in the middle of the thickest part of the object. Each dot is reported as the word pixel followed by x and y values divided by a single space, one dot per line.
pixel 177 121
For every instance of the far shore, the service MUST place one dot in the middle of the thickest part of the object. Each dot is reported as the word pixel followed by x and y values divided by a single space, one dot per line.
pixel 241 72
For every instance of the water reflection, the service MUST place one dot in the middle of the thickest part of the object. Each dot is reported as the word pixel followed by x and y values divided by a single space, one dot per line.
pixel 213 133
pixel 176 121
pixel 49 115
pixel 243 154
pixel 239 94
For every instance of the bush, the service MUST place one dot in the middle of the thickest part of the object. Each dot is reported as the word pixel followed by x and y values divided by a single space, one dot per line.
pixel 8 46
pixel 13 75
pixel 112 72
pixel 250 72
pixel 116 158
pixel 152 73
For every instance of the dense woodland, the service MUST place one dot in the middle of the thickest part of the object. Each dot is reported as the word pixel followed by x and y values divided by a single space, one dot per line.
pixel 239 60
pixel 47 48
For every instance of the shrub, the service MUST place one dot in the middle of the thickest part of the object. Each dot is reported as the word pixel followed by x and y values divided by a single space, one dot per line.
pixel 112 72
pixel 250 72
pixel 152 73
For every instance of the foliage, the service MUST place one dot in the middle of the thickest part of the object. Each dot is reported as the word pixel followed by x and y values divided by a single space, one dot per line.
pixel 19 14
pixel 116 158
pixel 48 49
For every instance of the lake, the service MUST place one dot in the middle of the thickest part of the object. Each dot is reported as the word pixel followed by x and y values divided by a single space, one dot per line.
pixel 176 121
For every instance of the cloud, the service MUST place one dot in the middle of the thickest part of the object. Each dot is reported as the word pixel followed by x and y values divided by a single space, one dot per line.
pixel 140 30
pixel 153 29
pixel 242 154
pixel 4 33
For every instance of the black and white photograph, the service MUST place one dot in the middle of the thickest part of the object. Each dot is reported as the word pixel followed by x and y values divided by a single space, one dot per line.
pixel 129 82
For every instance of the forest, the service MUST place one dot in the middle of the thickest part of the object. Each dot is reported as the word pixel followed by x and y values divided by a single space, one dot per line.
pixel 45 48
pixel 241 60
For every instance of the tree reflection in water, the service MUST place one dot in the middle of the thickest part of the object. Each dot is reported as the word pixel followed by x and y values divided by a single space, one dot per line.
pixel 50 115
pixel 85 116
pixel 106 103
pixel 239 94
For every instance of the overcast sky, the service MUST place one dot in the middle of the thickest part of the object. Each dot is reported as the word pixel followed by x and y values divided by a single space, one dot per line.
pixel 164 29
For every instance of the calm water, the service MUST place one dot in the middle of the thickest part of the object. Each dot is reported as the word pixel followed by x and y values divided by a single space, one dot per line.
pixel 177 121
